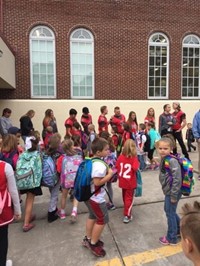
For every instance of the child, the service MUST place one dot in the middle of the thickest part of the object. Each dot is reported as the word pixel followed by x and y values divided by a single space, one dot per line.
pixel 8 212
pixel 154 137
pixel 54 151
pixel 140 140
pixel 172 190
pixel 17 133
pixel 92 136
pixel 9 151
pixel 111 162
pixel 117 140
pixel 190 137
pixel 190 232
pixel 67 166
pixel 98 213
pixel 37 191
pixel 127 132
pixel 127 165
pixel 49 133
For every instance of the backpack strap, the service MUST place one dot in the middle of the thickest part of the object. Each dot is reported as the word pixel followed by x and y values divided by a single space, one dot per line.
pixel 166 166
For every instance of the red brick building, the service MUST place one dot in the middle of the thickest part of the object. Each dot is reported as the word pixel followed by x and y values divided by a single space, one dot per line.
pixel 102 49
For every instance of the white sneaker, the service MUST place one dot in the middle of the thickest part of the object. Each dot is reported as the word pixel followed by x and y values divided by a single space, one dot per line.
pixel 9 263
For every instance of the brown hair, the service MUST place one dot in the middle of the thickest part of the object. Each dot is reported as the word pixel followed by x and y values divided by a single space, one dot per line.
pixel 102 109
pixel 54 143
pixel 35 140
pixel 130 118
pixel 129 149
pixel 166 140
pixel 68 147
pixel 190 223
pixel 105 135
pixel 98 144
pixel 148 115
pixel 9 143
pixel 77 140
pixel 172 139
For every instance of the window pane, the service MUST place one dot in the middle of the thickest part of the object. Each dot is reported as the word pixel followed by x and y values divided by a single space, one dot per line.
pixel 81 47
pixel 75 69
pixel 44 91
pixel 75 59
pixel 42 46
pixel 36 79
pixel 75 91
pixel 35 45
pixel 36 90
pixel 82 91
pixel 151 91
pixel 51 90
pixel 50 68
pixel 89 91
pixel 157 92
pixel 89 80
pixel 184 93
pixel 43 79
pixel 196 92
pixel 43 68
pixel 74 47
pixel 50 80
pixel 35 68
pixel 49 46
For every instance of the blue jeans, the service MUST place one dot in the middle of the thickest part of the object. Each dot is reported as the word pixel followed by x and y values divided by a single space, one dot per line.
pixel 142 162
pixel 173 219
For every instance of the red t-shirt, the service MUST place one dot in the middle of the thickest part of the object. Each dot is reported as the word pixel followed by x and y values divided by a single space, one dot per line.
pixel 179 119
pixel 126 168
pixel 86 120
pixel 69 124
pixel 103 123
pixel 149 119
pixel 126 135
pixel 133 126
pixel 118 121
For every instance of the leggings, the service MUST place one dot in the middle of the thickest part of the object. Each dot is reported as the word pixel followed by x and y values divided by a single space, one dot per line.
pixel 3 244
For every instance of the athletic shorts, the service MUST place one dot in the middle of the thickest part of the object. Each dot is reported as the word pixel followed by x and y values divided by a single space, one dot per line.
pixel 98 211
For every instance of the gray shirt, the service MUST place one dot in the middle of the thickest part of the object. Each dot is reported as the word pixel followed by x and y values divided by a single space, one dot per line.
pixel 5 124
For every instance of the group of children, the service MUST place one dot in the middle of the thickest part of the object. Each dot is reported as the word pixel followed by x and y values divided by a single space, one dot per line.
pixel 67 156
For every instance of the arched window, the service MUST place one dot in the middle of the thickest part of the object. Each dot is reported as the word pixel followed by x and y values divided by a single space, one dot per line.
pixel 190 67
pixel 82 64
pixel 158 66
pixel 42 63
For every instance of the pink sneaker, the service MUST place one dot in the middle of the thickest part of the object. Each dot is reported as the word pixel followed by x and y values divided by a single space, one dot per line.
pixel 73 217
pixel 61 215
pixel 163 240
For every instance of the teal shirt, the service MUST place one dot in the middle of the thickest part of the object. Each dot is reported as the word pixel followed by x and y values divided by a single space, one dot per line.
pixel 154 136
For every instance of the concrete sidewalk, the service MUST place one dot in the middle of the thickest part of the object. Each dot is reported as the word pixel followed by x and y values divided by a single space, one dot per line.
pixel 59 243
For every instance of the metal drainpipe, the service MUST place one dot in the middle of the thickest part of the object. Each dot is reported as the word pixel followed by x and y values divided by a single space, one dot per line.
pixel 1 9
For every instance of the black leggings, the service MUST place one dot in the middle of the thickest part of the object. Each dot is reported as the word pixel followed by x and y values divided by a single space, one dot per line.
pixel 3 244
pixel 178 136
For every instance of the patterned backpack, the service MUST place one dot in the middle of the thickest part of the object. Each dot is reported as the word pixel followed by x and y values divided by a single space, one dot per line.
pixel 28 173
pixel 186 172
pixel 49 172
pixel 70 166
pixel 111 162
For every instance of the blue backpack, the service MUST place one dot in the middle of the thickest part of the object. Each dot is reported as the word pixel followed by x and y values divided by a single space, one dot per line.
pixel 83 180
pixel 49 172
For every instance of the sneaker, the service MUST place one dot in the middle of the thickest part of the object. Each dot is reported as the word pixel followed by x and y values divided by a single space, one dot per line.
pixel 73 217
pixel 52 216
pixel 28 227
pixel 110 206
pixel 9 263
pixel 97 250
pixel 61 215
pixel 86 242
pixel 126 219
pixel 163 240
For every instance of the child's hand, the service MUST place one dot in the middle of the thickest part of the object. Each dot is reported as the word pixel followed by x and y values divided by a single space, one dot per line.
pixel 17 217
pixel 110 172
pixel 173 201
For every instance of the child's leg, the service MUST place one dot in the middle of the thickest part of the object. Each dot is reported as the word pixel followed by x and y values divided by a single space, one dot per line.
pixel 28 207
pixel 3 244
pixel 173 219
pixel 54 197
pixel 128 201
pixel 74 210
pixel 64 198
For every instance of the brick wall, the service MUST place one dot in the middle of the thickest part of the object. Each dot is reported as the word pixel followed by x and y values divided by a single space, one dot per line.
pixel 121 29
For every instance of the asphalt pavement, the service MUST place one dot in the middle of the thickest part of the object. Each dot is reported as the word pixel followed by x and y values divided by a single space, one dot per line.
pixel 136 243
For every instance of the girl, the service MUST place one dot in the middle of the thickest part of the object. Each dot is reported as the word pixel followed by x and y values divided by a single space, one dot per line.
pixel 49 120
pixel 172 190
pixel 111 162
pixel 154 137
pixel 150 117
pixel 54 151
pixel 132 121
pixel 9 150
pixel 8 212
pixel 67 166
pixel 117 140
pixel 31 193
pixel 26 124
pixel 92 136
pixel 127 165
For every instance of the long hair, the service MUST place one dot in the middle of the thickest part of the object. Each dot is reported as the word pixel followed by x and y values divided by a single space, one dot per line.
pixel 130 120
pixel 129 149
pixel 9 143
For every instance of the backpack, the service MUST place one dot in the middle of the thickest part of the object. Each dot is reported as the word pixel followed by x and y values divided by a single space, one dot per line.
pixel 83 180
pixel 8 159
pixel 49 172
pixel 28 173
pixel 111 160
pixel 84 140
pixel 147 143
pixel 69 168
pixel 186 173
pixel 138 190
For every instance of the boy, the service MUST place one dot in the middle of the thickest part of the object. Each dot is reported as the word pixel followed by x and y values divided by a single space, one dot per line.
pixel 190 232
pixel 190 137
pixel 69 123
pixel 86 119
pixel 140 140
pixel 102 120
pixel 98 213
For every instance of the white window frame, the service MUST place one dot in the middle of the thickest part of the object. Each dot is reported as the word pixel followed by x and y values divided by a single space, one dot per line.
pixel 195 46
pixel 79 40
pixel 46 38
pixel 159 44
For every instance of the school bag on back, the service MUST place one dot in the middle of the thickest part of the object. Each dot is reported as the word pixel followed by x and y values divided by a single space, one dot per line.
pixel 49 172
pixel 70 166
pixel 186 173
pixel 28 173
pixel 147 143
pixel 83 180
pixel 84 140
pixel 8 159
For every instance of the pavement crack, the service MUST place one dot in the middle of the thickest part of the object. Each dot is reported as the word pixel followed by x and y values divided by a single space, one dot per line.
pixel 117 246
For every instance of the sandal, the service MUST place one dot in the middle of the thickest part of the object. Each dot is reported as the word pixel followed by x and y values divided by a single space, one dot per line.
pixel 28 227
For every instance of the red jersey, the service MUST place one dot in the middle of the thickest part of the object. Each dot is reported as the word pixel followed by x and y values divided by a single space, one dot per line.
pixel 126 169
pixel 86 120
pixel 103 123
pixel 69 124
pixel 126 135
pixel 134 126
pixel 118 121
pixel 179 117
pixel 149 119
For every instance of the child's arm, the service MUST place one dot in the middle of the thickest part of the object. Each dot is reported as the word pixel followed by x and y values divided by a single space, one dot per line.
pixel 176 179
pixel 101 181
pixel 12 188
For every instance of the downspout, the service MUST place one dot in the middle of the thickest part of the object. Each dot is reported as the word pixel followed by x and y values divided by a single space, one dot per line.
pixel 1 15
